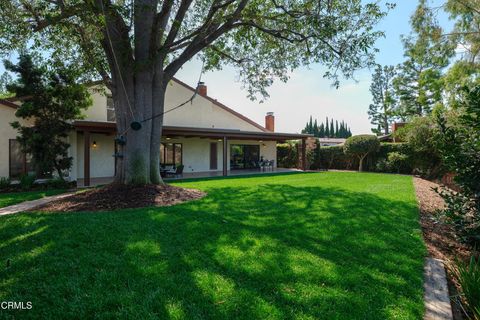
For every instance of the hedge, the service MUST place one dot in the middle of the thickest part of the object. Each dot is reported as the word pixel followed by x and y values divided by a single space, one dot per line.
pixel 334 158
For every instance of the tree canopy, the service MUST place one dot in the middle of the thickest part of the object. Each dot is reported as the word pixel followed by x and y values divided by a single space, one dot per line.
pixel 327 129
pixel 137 47
pixel 382 111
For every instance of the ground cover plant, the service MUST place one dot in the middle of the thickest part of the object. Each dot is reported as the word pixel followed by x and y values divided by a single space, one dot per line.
pixel 330 245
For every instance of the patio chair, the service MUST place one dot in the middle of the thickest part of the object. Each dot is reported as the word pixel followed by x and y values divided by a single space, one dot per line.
pixel 271 164
pixel 176 172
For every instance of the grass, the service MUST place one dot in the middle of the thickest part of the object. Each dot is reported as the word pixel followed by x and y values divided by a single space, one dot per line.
pixel 8 199
pixel 297 246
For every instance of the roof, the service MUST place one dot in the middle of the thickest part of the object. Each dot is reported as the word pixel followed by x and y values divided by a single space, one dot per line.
pixel 332 140
pixel 173 131
pixel 224 107
pixel 8 102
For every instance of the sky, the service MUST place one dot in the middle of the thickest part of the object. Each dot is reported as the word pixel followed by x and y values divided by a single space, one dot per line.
pixel 307 92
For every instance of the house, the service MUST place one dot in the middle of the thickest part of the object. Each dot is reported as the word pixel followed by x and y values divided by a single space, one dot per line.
pixel 328 142
pixel 205 136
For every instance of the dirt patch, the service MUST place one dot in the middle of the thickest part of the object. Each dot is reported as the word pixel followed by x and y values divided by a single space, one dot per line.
pixel 113 197
pixel 439 236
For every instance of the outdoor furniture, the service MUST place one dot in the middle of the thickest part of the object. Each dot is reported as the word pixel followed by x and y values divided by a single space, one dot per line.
pixel 166 169
pixel 176 172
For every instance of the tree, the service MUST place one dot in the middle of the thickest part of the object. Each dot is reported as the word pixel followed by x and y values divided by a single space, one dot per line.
pixel 5 79
pixel 52 99
pixel 465 72
pixel 419 80
pixel 327 128
pixel 422 136
pixel 459 148
pixel 381 111
pixel 361 146
pixel 137 47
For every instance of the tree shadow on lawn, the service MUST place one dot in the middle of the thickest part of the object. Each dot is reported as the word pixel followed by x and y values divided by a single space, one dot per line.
pixel 276 251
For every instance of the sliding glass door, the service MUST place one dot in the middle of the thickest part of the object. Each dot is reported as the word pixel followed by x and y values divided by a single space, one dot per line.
pixel 244 156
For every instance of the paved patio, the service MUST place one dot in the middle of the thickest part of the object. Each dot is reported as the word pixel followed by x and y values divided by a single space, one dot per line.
pixel 194 175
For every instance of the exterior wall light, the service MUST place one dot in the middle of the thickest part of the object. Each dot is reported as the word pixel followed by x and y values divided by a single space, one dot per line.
pixel 94 144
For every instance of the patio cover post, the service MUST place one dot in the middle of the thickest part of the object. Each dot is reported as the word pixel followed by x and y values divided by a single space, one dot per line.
pixel 304 154
pixel 225 156
pixel 86 159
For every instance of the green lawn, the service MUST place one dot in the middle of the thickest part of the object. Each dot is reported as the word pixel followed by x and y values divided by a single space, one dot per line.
pixel 8 199
pixel 294 246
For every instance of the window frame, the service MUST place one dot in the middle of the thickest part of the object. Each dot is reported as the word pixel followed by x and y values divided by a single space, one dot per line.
pixel 24 160
pixel 164 158
pixel 112 109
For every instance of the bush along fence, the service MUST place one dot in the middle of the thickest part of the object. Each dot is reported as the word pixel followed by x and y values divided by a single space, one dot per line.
pixel 390 157
pixel 385 157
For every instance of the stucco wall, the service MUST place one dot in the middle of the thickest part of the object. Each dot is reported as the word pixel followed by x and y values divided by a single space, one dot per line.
pixel 7 115
pixel 98 110
pixel 201 113
pixel 196 154
pixel 102 162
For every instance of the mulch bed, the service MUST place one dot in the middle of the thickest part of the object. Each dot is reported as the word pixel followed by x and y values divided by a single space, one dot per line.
pixel 439 236
pixel 113 197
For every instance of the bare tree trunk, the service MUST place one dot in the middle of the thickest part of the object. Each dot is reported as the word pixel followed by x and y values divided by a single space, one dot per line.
pixel 159 90
pixel 360 167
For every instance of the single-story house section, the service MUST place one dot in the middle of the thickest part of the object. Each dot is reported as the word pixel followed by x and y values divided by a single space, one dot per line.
pixel 328 142
pixel 205 136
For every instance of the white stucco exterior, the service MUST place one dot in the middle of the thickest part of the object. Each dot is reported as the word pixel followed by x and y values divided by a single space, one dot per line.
pixel 204 113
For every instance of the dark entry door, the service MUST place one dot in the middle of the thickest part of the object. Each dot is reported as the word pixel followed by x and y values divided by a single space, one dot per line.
pixel 213 156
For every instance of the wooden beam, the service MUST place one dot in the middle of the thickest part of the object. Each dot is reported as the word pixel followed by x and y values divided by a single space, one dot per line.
pixel 225 148
pixel 304 154
pixel 86 158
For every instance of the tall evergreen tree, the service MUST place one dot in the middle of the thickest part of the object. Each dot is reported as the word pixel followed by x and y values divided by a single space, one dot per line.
pixel 382 111
pixel 327 129
pixel 332 129
pixel 53 100
pixel 321 131
pixel 419 80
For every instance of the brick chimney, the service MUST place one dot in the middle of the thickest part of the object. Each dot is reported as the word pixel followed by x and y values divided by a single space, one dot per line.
pixel 202 88
pixel 270 121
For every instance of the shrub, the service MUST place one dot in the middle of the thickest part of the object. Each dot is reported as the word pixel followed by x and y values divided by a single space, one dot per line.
pixel 468 275
pixel 287 155
pixel 460 150
pixel 396 161
pixel 27 181
pixel 4 183
pixel 57 183
pixel 361 146
pixel 421 137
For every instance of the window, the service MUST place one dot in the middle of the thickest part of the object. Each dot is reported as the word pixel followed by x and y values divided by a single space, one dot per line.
pixel 110 109
pixel 244 156
pixel 19 162
pixel 171 153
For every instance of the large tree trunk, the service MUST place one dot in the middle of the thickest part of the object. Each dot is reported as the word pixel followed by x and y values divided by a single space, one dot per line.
pixel 139 159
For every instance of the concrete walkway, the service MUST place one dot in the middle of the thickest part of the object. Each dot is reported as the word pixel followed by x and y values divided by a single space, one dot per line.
pixel 437 300
pixel 29 205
